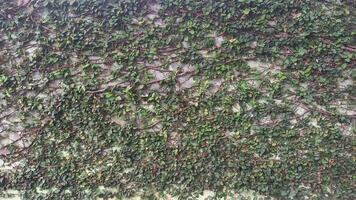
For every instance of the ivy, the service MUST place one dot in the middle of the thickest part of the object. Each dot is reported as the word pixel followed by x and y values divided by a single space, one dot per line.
pixel 102 99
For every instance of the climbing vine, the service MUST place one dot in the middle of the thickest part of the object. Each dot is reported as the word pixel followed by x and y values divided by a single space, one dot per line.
pixel 118 98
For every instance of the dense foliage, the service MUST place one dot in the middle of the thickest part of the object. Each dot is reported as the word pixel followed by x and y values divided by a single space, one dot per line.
pixel 115 98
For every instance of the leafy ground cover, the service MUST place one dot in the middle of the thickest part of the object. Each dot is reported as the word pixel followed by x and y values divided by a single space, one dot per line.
pixel 131 97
